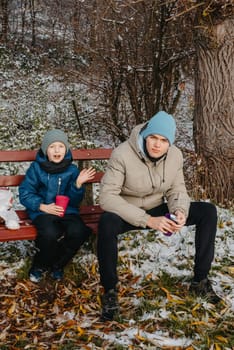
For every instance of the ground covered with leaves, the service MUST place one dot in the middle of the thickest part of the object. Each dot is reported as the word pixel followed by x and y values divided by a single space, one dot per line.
pixel 157 311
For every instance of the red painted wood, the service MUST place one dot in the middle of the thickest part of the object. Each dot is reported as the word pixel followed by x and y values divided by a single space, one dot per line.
pixel 78 154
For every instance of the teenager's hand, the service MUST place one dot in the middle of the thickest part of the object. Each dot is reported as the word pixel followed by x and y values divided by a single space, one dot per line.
pixel 51 209
pixel 163 224
pixel 84 176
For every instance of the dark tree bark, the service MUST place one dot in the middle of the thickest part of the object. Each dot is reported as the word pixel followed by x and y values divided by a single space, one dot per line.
pixel 214 110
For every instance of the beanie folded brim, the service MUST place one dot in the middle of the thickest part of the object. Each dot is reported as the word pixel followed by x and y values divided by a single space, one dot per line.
pixel 52 136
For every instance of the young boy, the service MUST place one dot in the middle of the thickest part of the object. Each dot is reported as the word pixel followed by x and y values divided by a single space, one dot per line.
pixel 59 234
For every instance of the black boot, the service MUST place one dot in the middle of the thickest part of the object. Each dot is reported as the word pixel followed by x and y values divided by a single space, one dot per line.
pixel 110 305
pixel 204 289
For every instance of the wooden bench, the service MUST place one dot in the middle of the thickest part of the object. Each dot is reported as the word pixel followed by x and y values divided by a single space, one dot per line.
pixel 90 213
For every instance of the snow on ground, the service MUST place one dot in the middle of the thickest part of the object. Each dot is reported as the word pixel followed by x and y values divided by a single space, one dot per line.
pixel 171 254
pixel 151 253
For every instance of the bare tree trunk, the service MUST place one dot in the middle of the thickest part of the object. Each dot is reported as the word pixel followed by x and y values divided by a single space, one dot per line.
pixel 78 119
pixel 4 8
pixel 23 6
pixel 214 111
pixel 33 22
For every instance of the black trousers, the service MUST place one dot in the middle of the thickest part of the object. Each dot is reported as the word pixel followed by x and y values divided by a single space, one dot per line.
pixel 201 214
pixel 58 239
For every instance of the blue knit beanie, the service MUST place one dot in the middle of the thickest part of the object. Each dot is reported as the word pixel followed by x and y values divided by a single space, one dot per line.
pixel 161 124
pixel 54 135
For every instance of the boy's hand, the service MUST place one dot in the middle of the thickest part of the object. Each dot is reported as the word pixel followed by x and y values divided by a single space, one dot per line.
pixel 51 209
pixel 84 176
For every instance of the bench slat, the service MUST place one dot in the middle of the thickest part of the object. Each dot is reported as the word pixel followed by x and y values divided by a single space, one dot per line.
pixel 91 154
pixel 17 156
pixel 78 154
pixel 10 180
pixel 15 180
pixel 26 231
pixel 90 215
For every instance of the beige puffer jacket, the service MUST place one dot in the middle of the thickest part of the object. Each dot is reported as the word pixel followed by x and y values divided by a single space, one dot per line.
pixel 132 183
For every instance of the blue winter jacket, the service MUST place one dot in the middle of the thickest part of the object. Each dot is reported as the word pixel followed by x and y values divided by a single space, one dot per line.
pixel 40 186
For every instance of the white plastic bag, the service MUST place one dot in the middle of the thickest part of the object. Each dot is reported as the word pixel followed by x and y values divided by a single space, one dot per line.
pixel 7 212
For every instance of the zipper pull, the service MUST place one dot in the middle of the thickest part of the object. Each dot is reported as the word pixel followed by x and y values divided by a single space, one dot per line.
pixel 59 184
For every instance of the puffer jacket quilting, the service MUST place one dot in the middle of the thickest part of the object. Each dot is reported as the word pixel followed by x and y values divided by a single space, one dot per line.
pixel 133 184
pixel 39 187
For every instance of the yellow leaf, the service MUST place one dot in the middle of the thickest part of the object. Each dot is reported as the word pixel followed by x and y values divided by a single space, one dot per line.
pixel 222 339
pixel 60 330
pixel 196 307
pixel 90 338
pixel 217 347
pixel 11 310
pixel 230 269
pixel 34 327
pixel 82 309
pixel 43 304
pixel 139 337
pixel 23 285
pixel 85 292
pixel 169 297
pixel 177 301
pixel 80 331
pixel 198 323
pixel 99 299
pixel 140 293
pixel 148 276
pixel 93 269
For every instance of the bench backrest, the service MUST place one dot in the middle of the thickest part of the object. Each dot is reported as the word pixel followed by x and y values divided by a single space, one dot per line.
pixel 20 156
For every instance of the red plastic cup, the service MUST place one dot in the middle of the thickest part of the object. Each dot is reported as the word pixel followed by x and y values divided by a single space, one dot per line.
pixel 62 201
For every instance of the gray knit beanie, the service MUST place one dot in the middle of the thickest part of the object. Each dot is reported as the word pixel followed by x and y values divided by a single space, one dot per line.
pixel 54 135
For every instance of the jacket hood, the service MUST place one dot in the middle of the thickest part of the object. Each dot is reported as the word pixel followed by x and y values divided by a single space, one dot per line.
pixel 136 141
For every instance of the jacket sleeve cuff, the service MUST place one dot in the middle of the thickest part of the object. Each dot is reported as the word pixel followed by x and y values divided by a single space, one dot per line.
pixel 145 219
